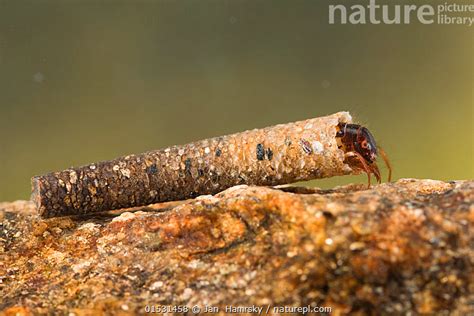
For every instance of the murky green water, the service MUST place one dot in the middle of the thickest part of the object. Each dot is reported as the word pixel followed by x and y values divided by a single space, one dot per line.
pixel 82 81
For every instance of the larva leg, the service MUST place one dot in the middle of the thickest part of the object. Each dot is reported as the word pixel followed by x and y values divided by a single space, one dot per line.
pixel 376 171
pixel 383 154
pixel 363 163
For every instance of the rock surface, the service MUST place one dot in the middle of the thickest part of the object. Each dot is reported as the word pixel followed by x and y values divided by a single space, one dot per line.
pixel 399 248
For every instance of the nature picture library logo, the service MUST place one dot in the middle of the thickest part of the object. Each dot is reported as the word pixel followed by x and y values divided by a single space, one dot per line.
pixel 371 12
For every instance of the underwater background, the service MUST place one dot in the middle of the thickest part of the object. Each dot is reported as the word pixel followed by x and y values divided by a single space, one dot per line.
pixel 85 81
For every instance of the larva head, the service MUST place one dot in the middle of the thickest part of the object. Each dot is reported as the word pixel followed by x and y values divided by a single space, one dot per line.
pixel 357 138
pixel 366 145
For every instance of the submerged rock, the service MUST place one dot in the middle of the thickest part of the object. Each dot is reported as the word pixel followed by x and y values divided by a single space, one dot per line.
pixel 393 249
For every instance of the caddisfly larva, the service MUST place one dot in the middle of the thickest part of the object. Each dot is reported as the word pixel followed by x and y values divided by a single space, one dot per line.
pixel 285 153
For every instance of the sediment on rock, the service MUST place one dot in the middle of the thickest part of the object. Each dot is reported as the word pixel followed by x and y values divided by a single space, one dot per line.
pixel 393 249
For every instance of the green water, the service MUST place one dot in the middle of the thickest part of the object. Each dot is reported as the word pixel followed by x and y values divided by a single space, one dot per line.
pixel 83 81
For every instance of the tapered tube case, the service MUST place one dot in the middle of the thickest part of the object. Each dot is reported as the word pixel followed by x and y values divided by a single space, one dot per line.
pixel 269 156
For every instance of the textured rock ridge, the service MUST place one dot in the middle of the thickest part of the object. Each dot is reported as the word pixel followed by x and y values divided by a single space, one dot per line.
pixel 392 249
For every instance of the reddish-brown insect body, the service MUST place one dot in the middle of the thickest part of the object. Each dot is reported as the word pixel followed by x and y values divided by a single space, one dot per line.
pixel 358 142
